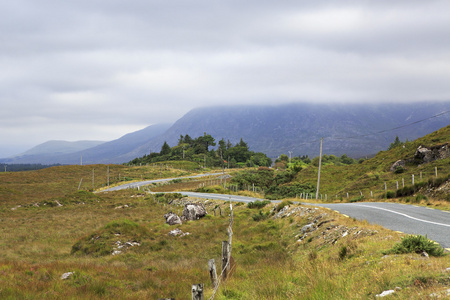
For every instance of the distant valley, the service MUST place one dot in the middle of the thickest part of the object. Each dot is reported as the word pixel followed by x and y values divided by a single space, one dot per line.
pixel 353 129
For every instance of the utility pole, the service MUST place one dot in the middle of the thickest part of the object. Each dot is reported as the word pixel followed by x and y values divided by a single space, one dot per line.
pixel 320 165
pixel 290 152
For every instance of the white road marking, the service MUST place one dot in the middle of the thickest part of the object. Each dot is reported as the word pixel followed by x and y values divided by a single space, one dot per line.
pixel 407 216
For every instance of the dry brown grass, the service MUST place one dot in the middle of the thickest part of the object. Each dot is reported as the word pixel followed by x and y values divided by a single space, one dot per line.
pixel 36 243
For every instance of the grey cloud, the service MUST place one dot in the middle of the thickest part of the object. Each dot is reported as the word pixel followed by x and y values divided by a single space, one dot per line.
pixel 104 64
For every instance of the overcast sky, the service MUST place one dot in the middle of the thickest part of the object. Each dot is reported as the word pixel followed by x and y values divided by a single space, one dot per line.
pixel 90 69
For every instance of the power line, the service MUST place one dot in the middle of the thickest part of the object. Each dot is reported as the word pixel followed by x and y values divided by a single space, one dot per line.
pixel 392 129
pixel 374 133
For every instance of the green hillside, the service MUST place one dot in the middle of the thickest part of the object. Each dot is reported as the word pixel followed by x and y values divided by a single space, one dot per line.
pixel 372 174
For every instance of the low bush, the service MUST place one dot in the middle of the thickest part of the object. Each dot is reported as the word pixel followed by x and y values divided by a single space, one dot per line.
pixel 416 244
pixel 420 197
pixel 213 189
pixel 436 182
pixel 288 190
pixel 357 199
pixel 260 216
pixel 390 194
pixel 167 197
pixel 399 170
pixel 258 204
pixel 282 204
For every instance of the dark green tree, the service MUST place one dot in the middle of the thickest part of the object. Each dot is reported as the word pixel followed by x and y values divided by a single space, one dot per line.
pixel 165 149
pixel 395 144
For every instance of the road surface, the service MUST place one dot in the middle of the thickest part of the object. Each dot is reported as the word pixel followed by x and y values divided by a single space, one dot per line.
pixel 147 182
pixel 409 219
pixel 399 217
pixel 221 197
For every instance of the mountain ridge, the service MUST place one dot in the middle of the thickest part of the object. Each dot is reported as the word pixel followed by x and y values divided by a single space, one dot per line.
pixel 354 129
pixel 349 129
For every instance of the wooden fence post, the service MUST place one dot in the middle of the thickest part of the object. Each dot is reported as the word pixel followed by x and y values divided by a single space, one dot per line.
pixel 197 291
pixel 225 259
pixel 213 272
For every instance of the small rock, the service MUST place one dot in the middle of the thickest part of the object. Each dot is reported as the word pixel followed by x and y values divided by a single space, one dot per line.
pixel 132 244
pixel 385 293
pixel 424 254
pixel 399 163
pixel 308 228
pixel 66 275
pixel 444 293
pixel 178 232
pixel 122 206
pixel 447 270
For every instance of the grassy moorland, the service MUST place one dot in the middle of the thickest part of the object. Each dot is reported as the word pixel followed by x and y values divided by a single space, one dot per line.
pixel 342 259
pixel 48 228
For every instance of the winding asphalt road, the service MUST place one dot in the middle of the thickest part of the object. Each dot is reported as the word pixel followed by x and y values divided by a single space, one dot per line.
pixel 401 217
pixel 409 219
pixel 147 182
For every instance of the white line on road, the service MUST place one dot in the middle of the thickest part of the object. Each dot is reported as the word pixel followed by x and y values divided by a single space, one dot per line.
pixel 407 216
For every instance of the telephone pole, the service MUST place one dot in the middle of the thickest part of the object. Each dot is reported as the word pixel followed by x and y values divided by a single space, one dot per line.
pixel 290 152
pixel 320 165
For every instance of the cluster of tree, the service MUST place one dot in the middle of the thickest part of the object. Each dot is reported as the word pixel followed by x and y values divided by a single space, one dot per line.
pixel 301 161
pixel 200 150
pixel 276 185
pixel 335 160
pixel 396 143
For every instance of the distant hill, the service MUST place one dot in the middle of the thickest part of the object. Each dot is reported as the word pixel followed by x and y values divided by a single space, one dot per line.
pixel 46 153
pixel 60 147
pixel 104 152
pixel 353 129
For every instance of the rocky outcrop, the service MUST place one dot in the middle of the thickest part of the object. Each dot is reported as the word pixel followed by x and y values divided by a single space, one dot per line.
pixel 193 211
pixel 429 154
pixel 120 247
pixel 319 226
pixel 172 219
